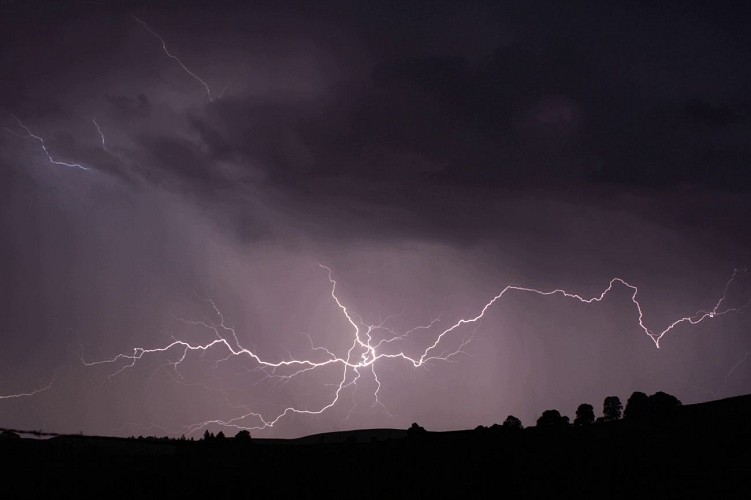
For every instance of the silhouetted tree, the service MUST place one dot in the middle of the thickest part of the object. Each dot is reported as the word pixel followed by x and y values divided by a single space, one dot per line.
pixel 243 436
pixel 552 419
pixel 220 436
pixel 663 405
pixel 585 415
pixel 415 431
pixel 612 408
pixel 208 436
pixel 512 423
pixel 637 407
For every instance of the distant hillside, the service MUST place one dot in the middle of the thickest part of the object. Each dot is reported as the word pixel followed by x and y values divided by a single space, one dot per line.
pixel 736 410
pixel 358 436
pixel 699 451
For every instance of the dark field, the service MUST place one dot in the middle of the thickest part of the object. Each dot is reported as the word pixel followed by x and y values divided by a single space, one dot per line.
pixel 701 451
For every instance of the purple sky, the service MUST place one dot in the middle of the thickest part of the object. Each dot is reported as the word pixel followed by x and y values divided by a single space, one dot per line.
pixel 428 153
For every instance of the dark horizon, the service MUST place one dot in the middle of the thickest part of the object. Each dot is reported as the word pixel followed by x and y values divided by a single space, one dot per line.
pixel 661 449
pixel 195 173
pixel 733 408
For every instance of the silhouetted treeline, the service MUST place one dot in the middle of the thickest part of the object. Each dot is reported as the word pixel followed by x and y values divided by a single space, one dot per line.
pixel 652 448
pixel 639 408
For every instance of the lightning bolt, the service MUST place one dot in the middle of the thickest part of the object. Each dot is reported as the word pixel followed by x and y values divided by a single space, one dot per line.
pixel 30 135
pixel 101 134
pixel 176 59
pixel 735 366
pixel 364 353
pixel 28 394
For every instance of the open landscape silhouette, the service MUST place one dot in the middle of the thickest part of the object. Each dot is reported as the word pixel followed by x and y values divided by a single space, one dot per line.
pixel 656 448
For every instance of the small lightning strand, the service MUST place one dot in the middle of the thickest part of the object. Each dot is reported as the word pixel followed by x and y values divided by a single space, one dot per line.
pixel 30 135
pixel 714 392
pixel 28 394
pixel 101 134
pixel 362 353
pixel 176 59
pixel 735 367
pixel 221 94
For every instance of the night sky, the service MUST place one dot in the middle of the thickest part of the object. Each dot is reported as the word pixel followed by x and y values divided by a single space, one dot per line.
pixel 428 153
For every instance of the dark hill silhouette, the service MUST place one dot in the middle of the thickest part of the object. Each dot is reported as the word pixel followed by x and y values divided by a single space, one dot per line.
pixel 358 436
pixel 699 451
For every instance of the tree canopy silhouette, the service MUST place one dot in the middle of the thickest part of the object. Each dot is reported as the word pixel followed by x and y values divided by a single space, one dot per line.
pixel 513 423
pixel 637 406
pixel 612 408
pixel 243 436
pixel 585 415
pixel 416 431
pixel 552 419
pixel 662 405
pixel 657 406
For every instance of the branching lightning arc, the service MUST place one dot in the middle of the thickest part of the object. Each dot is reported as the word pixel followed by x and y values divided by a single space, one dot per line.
pixel 176 59
pixel 365 353
pixel 30 135
pixel 29 393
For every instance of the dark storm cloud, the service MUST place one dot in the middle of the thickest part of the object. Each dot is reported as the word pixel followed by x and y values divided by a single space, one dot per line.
pixel 138 106
pixel 421 137
pixel 430 121
pixel 565 96
pixel 180 160
pixel 570 99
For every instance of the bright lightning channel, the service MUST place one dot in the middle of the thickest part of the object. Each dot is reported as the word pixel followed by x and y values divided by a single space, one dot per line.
pixel 30 135
pixel 176 59
pixel 27 394
pixel 364 352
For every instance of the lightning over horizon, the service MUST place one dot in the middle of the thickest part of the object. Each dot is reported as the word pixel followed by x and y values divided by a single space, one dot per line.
pixel 363 353
pixel 368 216
pixel 29 393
